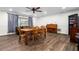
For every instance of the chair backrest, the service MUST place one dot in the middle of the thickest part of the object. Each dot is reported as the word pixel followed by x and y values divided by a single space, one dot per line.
pixel 44 28
pixel 19 30
pixel 35 30
pixel 37 27
pixel 39 30
pixel 26 26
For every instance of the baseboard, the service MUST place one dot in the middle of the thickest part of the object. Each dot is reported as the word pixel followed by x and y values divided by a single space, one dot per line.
pixel 6 34
pixel 63 34
pixel 60 33
pixel 10 33
pixel 3 34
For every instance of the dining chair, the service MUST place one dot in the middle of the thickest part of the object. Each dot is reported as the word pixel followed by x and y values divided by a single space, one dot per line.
pixel 28 37
pixel 34 33
pixel 44 29
pixel 21 35
pixel 41 33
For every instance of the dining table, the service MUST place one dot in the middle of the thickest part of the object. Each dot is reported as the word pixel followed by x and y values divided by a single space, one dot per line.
pixel 29 32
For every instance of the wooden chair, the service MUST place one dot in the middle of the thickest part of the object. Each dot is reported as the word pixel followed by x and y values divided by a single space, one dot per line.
pixel 44 29
pixel 28 37
pixel 34 33
pixel 21 34
pixel 40 33
pixel 37 33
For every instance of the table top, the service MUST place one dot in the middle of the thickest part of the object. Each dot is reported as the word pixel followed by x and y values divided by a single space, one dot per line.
pixel 26 30
pixel 29 29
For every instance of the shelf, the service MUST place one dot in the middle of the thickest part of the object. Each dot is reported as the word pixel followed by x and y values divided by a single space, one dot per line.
pixel 73 27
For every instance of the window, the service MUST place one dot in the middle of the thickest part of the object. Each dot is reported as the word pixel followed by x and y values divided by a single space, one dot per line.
pixel 23 21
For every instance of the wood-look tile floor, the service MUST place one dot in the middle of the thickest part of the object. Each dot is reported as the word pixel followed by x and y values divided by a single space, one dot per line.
pixel 53 42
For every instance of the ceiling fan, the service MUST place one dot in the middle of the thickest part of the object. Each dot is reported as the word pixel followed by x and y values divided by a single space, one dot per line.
pixel 34 9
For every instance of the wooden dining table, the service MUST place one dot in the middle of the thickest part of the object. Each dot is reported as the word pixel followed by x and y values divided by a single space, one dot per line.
pixel 26 30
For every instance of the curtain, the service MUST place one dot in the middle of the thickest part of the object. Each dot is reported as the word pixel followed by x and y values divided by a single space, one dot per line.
pixel 30 21
pixel 12 23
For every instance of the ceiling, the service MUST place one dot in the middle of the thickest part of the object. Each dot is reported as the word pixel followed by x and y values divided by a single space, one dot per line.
pixel 46 10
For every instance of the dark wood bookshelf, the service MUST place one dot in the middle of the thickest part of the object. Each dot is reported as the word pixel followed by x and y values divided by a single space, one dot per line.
pixel 73 26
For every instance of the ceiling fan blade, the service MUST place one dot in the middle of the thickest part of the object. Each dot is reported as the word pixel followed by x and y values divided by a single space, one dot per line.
pixel 39 11
pixel 29 8
pixel 38 8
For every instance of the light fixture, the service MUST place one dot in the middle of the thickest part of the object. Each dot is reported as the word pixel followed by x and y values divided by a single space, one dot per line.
pixel 63 7
pixel 45 12
pixel 34 14
pixel 10 9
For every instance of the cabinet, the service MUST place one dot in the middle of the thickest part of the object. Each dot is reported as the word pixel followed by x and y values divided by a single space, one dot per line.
pixel 73 26
pixel 52 28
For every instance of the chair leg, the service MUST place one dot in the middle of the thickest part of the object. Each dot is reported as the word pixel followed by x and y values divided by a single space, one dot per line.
pixel 25 41
pixel 19 39
pixel 32 37
pixel 45 36
pixel 35 38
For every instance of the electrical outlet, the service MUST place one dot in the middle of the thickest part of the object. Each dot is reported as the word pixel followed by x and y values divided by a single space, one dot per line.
pixel 59 29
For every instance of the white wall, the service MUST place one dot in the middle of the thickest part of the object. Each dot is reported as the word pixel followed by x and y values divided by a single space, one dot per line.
pixel 3 23
pixel 35 21
pixel 60 19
